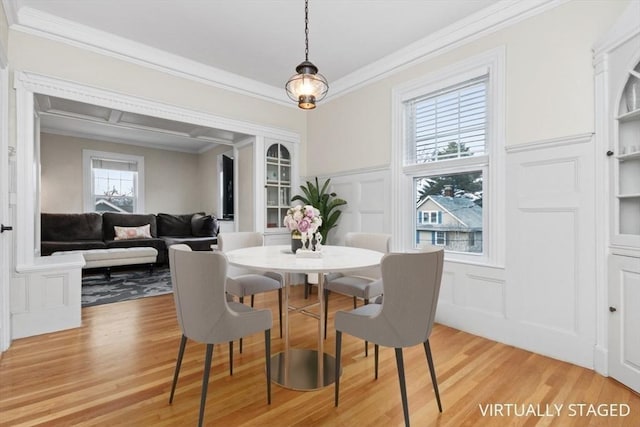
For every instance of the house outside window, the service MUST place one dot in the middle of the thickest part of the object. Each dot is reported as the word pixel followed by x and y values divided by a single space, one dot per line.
pixel 448 129
pixel 113 182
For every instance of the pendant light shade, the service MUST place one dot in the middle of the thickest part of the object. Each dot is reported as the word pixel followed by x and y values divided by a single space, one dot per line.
pixel 307 86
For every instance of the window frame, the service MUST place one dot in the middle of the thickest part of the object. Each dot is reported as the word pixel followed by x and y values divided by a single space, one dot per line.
pixel 87 181
pixel 444 238
pixel 490 164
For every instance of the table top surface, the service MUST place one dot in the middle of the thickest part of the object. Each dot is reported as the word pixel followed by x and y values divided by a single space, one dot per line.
pixel 280 258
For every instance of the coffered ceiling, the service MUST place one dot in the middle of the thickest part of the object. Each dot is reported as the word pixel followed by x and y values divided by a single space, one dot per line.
pixel 65 117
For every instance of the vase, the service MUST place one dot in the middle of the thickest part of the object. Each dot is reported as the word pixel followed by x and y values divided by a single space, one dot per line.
pixel 296 242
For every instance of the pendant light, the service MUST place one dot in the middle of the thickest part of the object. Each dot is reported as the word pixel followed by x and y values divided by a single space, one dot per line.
pixel 307 86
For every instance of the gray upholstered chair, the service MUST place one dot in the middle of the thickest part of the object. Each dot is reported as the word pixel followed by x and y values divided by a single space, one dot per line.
pixel 363 284
pixel 242 282
pixel 405 317
pixel 204 314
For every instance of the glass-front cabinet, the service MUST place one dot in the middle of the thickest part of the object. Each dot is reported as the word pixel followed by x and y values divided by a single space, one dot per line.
pixel 278 183
pixel 627 189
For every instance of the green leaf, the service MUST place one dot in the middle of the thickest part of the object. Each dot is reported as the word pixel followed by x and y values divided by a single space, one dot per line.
pixel 327 203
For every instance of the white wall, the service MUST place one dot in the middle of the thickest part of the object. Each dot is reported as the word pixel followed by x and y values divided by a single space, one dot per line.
pixel 544 296
pixel 549 89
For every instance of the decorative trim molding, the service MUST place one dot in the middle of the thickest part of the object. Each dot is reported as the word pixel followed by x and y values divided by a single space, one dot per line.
pixel 32 21
pixel 353 172
pixel 496 17
pixel 550 143
pixel 624 29
pixel 38 83
pixel 491 19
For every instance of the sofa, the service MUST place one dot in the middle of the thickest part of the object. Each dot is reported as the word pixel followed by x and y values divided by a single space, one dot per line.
pixel 87 231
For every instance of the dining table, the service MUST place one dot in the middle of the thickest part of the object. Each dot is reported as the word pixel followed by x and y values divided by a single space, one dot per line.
pixel 303 368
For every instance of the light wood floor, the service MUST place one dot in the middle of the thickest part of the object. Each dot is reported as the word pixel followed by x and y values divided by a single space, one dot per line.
pixel 117 370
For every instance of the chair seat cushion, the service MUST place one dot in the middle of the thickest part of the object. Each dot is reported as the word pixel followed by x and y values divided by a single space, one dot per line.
pixel 250 284
pixel 356 286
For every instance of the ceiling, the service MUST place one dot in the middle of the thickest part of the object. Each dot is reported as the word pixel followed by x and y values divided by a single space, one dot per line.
pixel 253 46
pixel 72 118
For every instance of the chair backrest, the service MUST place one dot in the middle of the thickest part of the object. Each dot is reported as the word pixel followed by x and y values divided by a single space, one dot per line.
pixel 198 280
pixel 374 241
pixel 238 240
pixel 411 296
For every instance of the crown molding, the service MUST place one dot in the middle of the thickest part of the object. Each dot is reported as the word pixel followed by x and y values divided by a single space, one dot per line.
pixel 484 22
pixel 491 19
pixel 626 27
pixel 37 83
pixel 32 21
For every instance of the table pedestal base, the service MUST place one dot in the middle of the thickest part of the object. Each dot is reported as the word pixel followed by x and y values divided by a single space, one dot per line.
pixel 303 369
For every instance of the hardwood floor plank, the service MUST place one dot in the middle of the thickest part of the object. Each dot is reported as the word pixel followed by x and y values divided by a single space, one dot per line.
pixel 117 370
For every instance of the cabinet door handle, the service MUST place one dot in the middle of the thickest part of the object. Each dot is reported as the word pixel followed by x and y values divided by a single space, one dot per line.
pixel 609 153
pixel 4 228
pixel 612 309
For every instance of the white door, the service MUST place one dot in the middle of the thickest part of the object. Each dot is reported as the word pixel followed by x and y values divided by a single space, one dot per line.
pixel 624 320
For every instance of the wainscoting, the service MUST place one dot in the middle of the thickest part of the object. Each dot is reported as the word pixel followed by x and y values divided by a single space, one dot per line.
pixel 544 299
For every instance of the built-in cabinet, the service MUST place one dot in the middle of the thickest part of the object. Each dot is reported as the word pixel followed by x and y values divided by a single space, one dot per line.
pixel 277 183
pixel 627 167
pixel 617 83
pixel 280 181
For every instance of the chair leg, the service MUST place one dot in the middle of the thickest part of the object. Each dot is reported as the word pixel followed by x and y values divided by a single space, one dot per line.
pixel 183 343
pixel 376 351
pixel 267 358
pixel 280 309
pixel 326 310
pixel 306 287
pixel 205 382
pixel 403 386
pixel 337 373
pixel 230 358
pixel 427 350
pixel 241 302
pixel 366 343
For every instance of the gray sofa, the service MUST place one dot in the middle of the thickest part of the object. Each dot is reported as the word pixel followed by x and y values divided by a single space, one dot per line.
pixel 67 232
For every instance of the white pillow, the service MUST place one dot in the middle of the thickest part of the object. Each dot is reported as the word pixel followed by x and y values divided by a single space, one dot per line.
pixel 124 233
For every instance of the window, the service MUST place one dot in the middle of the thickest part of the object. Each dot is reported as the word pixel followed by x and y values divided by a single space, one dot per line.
pixel 447 143
pixel 113 182
pixel 458 198
pixel 448 124
pixel 430 217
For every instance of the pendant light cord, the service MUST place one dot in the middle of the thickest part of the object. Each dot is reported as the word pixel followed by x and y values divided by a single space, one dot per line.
pixel 306 30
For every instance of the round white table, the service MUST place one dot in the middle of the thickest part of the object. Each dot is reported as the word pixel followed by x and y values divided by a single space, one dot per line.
pixel 303 369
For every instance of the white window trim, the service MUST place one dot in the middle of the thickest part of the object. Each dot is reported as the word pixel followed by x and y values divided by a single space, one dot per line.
pixel 87 178
pixel 428 214
pixel 492 164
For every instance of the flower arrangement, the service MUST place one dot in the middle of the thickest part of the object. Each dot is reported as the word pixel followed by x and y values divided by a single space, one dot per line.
pixel 303 221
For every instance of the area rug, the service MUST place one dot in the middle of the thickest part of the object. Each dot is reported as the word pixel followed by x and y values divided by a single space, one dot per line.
pixel 124 286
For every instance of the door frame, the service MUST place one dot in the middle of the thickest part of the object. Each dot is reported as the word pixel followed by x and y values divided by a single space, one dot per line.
pixel 5 218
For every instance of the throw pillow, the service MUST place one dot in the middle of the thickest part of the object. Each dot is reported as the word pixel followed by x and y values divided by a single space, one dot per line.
pixel 174 225
pixel 124 233
pixel 202 225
